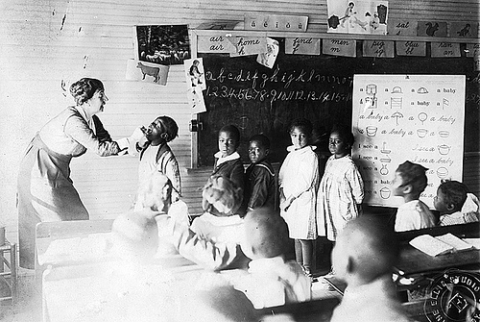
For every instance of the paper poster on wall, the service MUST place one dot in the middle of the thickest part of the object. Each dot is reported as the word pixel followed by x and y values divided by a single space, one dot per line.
pixel 432 28
pixel 269 57
pixel 195 77
pixel 339 47
pixel 147 72
pixel 162 44
pixel 411 48
pixel 402 27
pixel 445 49
pixel 215 44
pixel 378 48
pixel 302 46
pixel 357 17
pixel 396 118
pixel 463 29
pixel 248 45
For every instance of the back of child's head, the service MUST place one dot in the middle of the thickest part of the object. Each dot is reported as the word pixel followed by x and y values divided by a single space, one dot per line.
pixel 234 132
pixel 303 124
pixel 261 139
pixel 156 193
pixel 413 174
pixel 221 194
pixel 454 193
pixel 344 132
pixel 369 246
pixel 169 127
pixel 266 233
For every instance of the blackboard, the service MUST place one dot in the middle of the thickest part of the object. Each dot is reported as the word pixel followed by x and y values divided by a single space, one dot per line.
pixel 261 100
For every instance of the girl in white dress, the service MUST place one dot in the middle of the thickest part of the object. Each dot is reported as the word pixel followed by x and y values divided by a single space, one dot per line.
pixel 298 184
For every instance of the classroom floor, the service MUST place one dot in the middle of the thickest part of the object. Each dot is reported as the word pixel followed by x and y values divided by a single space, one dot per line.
pixel 27 306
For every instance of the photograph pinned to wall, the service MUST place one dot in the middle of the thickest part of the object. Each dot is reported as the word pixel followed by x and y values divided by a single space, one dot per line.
pixel 269 57
pixel 195 76
pixel 357 17
pixel 147 72
pixel 162 44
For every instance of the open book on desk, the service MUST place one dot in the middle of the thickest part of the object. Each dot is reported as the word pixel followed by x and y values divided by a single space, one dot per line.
pixel 439 245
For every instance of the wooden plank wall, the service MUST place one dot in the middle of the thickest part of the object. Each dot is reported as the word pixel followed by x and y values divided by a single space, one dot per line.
pixel 44 43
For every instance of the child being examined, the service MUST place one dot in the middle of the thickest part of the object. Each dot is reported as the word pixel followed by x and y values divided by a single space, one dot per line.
pixel 409 182
pixel 455 204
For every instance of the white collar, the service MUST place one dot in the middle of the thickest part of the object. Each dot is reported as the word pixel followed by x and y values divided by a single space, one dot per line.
pixel 233 156
pixel 292 148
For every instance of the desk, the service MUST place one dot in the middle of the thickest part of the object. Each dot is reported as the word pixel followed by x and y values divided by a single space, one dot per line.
pixel 413 261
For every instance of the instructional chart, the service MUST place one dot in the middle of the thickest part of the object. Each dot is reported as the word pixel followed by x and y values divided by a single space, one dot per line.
pixel 396 118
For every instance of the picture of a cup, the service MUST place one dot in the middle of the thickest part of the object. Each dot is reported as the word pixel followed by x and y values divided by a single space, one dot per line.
pixel 385 193
pixel 422 133
pixel 371 130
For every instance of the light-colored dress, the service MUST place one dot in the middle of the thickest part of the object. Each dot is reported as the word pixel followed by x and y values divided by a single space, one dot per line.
pixel 45 190
pixel 218 229
pixel 373 302
pixel 468 214
pixel 299 177
pixel 341 191
pixel 414 215
pixel 273 282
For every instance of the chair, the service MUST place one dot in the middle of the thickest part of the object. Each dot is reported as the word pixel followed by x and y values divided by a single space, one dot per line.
pixel 8 268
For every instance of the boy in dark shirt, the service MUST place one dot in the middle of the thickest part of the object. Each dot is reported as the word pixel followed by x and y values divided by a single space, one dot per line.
pixel 260 187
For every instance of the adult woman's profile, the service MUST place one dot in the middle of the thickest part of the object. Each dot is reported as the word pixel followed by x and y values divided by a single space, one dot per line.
pixel 45 190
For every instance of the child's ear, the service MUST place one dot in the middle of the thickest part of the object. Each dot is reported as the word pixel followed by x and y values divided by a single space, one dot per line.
pixel 267 151
pixel 407 189
pixel 450 206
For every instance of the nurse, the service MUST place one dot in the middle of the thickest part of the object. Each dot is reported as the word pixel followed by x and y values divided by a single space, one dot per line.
pixel 45 190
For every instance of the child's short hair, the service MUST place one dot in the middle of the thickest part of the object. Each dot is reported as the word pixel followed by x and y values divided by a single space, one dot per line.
pixel 219 188
pixel 302 123
pixel 344 132
pixel 270 237
pixel 233 130
pixel 413 174
pixel 169 125
pixel 454 192
pixel 262 139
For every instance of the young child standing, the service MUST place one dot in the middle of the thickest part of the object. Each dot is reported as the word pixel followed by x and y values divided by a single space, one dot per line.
pixel 409 182
pixel 456 205
pixel 260 186
pixel 298 183
pixel 156 155
pixel 341 190
pixel 271 280
pixel 227 159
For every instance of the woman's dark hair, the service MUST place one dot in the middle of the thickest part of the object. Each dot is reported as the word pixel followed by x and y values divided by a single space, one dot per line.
pixel 234 131
pixel 170 127
pixel 302 123
pixel 84 89
pixel 344 132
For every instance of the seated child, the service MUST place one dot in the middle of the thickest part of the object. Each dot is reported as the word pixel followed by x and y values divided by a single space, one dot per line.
pixel 213 240
pixel 409 182
pixel 271 280
pixel 455 204
pixel 155 154
pixel 227 159
pixel 135 233
pixel 363 256
pixel 221 199
pixel 260 186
